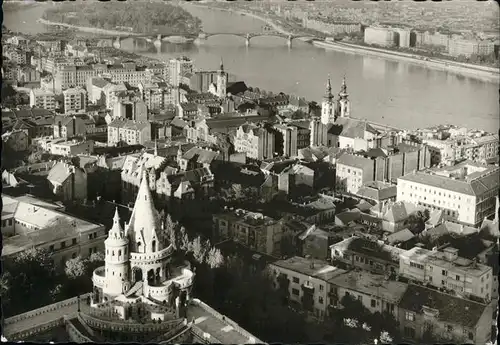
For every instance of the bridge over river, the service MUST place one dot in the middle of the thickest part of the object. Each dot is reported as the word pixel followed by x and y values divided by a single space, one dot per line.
pixel 204 36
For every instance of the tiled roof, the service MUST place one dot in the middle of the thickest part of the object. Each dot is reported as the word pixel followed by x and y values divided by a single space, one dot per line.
pixel 371 249
pixel 355 161
pixel 202 156
pixel 178 122
pixel 474 187
pixel 400 236
pixel 400 211
pixel 99 82
pixel 490 228
pixel 348 216
pixel 452 310
pixel 377 190
pixel 59 173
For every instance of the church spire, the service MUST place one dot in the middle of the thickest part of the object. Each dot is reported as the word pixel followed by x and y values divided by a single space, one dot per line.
pixel 343 89
pixel 221 68
pixel 328 93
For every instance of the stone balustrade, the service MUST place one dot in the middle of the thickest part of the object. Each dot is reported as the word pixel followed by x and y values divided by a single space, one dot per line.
pixel 126 327
pixel 204 337
pixel 24 334
pixel 227 320
pixel 137 258
pixel 75 335
pixel 46 309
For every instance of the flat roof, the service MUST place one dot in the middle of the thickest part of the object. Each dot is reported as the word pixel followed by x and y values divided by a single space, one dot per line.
pixel 310 267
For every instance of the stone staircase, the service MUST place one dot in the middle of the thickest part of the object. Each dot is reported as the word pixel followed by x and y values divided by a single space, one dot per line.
pixel 137 287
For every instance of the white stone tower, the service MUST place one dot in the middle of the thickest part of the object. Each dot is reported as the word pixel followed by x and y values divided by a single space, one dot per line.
pixel 116 259
pixel 221 82
pixel 343 104
pixel 327 106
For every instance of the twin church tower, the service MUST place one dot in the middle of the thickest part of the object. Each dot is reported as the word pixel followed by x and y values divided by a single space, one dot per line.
pixel 331 110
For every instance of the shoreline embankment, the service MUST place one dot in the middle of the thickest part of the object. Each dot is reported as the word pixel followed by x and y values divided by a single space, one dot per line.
pixel 478 72
pixel 489 74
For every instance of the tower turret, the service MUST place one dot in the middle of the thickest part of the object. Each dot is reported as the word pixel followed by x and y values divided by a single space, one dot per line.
pixel 327 106
pixel 116 259
pixel 221 82
pixel 343 104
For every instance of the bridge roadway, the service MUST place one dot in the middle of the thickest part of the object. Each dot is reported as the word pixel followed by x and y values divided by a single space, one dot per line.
pixel 204 35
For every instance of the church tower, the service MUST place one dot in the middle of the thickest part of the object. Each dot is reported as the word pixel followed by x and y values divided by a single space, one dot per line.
pixel 116 260
pixel 221 81
pixel 327 106
pixel 343 104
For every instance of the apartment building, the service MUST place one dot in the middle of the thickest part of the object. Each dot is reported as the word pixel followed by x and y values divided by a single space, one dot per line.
pixel 306 282
pixel 375 257
pixel 42 98
pixel 254 230
pixel 447 270
pixel 331 27
pixel 110 93
pixel 467 48
pixel 68 182
pixel 71 148
pixel 129 132
pixel 385 37
pixel 71 76
pixel 158 95
pixel 27 74
pixel 287 138
pixel 256 141
pixel 464 192
pixel 375 293
pixel 29 225
pixel 427 314
pixel 75 99
pixel 69 127
pixel 403 37
pixel 353 171
pixel 177 68
pixel 130 109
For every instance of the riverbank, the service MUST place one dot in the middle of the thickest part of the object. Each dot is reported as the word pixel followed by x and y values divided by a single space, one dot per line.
pixel 87 29
pixel 483 73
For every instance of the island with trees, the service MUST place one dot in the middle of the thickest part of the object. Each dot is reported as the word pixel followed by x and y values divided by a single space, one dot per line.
pixel 137 17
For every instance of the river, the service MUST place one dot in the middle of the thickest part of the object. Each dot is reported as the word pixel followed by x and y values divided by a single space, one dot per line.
pixel 392 92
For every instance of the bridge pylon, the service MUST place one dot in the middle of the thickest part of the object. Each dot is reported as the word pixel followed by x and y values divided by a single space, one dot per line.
pixel 289 41
pixel 247 40
pixel 158 37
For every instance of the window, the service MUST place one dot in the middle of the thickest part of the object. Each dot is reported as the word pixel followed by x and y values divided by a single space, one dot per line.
pixel 457 277
pixel 471 336
pixel 63 244
pixel 444 273
pixel 295 292
pixel 409 316
pixel 73 255
pixel 73 241
pixel 373 303
pixel 360 298
pixel 449 328
pixel 296 280
pixel 320 300
pixel 321 288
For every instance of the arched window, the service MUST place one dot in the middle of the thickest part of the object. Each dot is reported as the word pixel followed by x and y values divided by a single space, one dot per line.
pixel 153 246
pixel 119 253
pixel 139 246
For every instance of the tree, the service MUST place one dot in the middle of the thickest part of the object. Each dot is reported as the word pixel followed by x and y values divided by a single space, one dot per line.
pixel 199 249
pixel 215 258
pixel 170 232
pixel 183 239
pixel 31 274
pixel 75 268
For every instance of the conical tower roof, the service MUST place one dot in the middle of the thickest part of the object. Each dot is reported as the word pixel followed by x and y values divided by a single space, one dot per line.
pixel 144 221
pixel 343 89
pixel 116 235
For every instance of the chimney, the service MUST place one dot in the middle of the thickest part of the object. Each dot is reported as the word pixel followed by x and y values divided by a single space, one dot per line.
pixel 451 254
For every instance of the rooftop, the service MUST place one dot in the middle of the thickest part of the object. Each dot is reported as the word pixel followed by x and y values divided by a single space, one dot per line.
pixel 246 217
pixel 371 284
pixel 310 267
pixel 440 259
pixel 451 309
pixel 369 248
